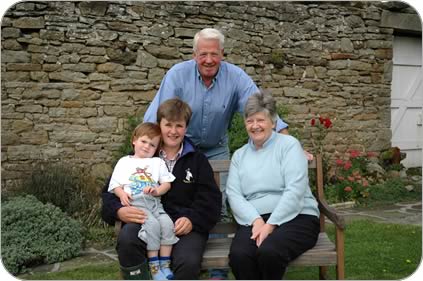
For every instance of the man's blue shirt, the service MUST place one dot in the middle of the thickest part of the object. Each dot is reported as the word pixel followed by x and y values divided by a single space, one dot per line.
pixel 213 107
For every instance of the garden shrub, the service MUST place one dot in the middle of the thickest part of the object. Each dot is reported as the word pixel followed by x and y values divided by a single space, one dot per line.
pixel 69 189
pixel 34 233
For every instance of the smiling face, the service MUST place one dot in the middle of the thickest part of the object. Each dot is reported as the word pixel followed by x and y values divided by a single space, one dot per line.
pixel 173 133
pixel 145 147
pixel 208 56
pixel 259 127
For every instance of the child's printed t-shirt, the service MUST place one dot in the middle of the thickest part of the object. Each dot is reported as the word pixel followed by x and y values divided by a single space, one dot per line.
pixel 134 174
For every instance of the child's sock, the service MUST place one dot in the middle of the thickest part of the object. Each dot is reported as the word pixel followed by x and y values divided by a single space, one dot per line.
pixel 154 265
pixel 165 267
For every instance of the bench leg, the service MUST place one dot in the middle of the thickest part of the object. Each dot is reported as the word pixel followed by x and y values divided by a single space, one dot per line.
pixel 340 272
pixel 323 272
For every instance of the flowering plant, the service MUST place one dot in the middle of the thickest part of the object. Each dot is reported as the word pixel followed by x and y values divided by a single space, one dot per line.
pixel 322 124
pixel 351 181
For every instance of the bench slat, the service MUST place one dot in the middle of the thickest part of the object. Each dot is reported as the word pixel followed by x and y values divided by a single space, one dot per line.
pixel 323 253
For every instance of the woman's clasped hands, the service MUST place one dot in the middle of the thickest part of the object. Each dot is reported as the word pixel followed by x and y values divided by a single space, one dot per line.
pixel 261 230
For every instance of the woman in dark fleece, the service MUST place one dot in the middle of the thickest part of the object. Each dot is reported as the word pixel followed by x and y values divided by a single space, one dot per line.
pixel 193 202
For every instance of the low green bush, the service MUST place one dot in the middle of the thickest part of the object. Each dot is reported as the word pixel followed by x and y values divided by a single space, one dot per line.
pixel 34 233
pixel 70 189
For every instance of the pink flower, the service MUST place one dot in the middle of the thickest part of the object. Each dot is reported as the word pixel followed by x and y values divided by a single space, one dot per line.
pixel 347 165
pixel 348 189
pixel 339 162
pixel 351 179
pixel 371 154
pixel 365 183
pixel 354 153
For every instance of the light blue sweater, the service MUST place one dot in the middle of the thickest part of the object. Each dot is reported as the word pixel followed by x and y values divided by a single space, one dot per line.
pixel 273 179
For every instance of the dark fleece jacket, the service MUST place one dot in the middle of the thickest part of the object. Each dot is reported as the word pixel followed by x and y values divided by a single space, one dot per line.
pixel 197 198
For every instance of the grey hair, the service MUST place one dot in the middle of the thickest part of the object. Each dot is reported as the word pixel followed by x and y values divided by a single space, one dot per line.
pixel 209 34
pixel 261 102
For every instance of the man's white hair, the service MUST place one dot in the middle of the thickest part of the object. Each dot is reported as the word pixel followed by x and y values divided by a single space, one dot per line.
pixel 209 34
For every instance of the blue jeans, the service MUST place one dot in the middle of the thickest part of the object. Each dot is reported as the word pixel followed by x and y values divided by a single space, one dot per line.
pixel 219 153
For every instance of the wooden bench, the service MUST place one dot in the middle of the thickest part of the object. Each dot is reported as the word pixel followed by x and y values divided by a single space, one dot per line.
pixel 325 253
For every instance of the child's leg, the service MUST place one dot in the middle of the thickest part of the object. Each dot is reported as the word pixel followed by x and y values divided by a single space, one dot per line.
pixel 165 252
pixel 154 264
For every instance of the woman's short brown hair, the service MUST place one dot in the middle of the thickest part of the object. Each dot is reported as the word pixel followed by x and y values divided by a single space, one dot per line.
pixel 174 110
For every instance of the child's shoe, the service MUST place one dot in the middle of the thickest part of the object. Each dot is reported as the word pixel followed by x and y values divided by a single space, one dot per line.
pixel 165 267
pixel 155 271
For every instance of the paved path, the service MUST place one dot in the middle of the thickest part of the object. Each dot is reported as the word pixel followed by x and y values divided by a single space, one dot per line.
pixel 401 213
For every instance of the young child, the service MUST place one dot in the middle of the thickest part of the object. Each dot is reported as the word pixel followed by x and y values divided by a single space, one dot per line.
pixel 135 180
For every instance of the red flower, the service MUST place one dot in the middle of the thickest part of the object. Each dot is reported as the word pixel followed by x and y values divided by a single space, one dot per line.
pixel 327 123
pixel 321 119
pixel 313 122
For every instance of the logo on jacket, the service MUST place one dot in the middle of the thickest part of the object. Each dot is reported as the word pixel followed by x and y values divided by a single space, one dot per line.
pixel 188 176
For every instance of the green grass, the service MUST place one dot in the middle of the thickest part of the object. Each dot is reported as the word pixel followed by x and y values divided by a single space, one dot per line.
pixel 373 251
pixel 106 271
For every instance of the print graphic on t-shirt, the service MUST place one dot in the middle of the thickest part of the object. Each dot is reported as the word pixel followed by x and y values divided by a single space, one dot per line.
pixel 140 179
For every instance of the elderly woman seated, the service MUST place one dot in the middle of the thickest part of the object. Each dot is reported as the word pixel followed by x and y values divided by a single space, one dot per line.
pixel 270 197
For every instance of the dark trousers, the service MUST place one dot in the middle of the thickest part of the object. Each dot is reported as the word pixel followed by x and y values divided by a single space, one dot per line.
pixel 269 261
pixel 186 254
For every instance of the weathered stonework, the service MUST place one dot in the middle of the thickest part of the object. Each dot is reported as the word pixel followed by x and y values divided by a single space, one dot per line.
pixel 73 72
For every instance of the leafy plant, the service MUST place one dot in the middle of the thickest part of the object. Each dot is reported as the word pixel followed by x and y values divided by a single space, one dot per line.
pixel 126 147
pixel 67 188
pixel 350 181
pixel 320 127
pixel 35 233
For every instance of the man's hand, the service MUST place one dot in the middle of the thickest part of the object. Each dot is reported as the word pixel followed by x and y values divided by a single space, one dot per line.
pixel 131 214
pixel 308 155
pixel 183 226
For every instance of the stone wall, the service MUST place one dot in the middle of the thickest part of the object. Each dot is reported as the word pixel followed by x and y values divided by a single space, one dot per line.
pixel 73 72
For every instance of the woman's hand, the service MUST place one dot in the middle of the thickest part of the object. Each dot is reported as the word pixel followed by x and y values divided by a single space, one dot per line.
pixel 131 214
pixel 264 232
pixel 183 226
pixel 257 225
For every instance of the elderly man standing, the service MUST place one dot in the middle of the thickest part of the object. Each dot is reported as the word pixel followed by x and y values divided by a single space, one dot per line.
pixel 213 88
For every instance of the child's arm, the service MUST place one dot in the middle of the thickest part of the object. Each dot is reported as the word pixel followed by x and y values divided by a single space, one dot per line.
pixel 123 196
pixel 157 191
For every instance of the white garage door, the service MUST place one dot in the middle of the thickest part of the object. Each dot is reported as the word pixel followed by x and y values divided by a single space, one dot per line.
pixel 407 99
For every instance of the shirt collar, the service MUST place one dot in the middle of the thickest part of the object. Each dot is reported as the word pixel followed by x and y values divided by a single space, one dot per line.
pixel 162 153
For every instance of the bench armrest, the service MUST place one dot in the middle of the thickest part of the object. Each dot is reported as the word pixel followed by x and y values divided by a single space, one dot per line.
pixel 331 214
